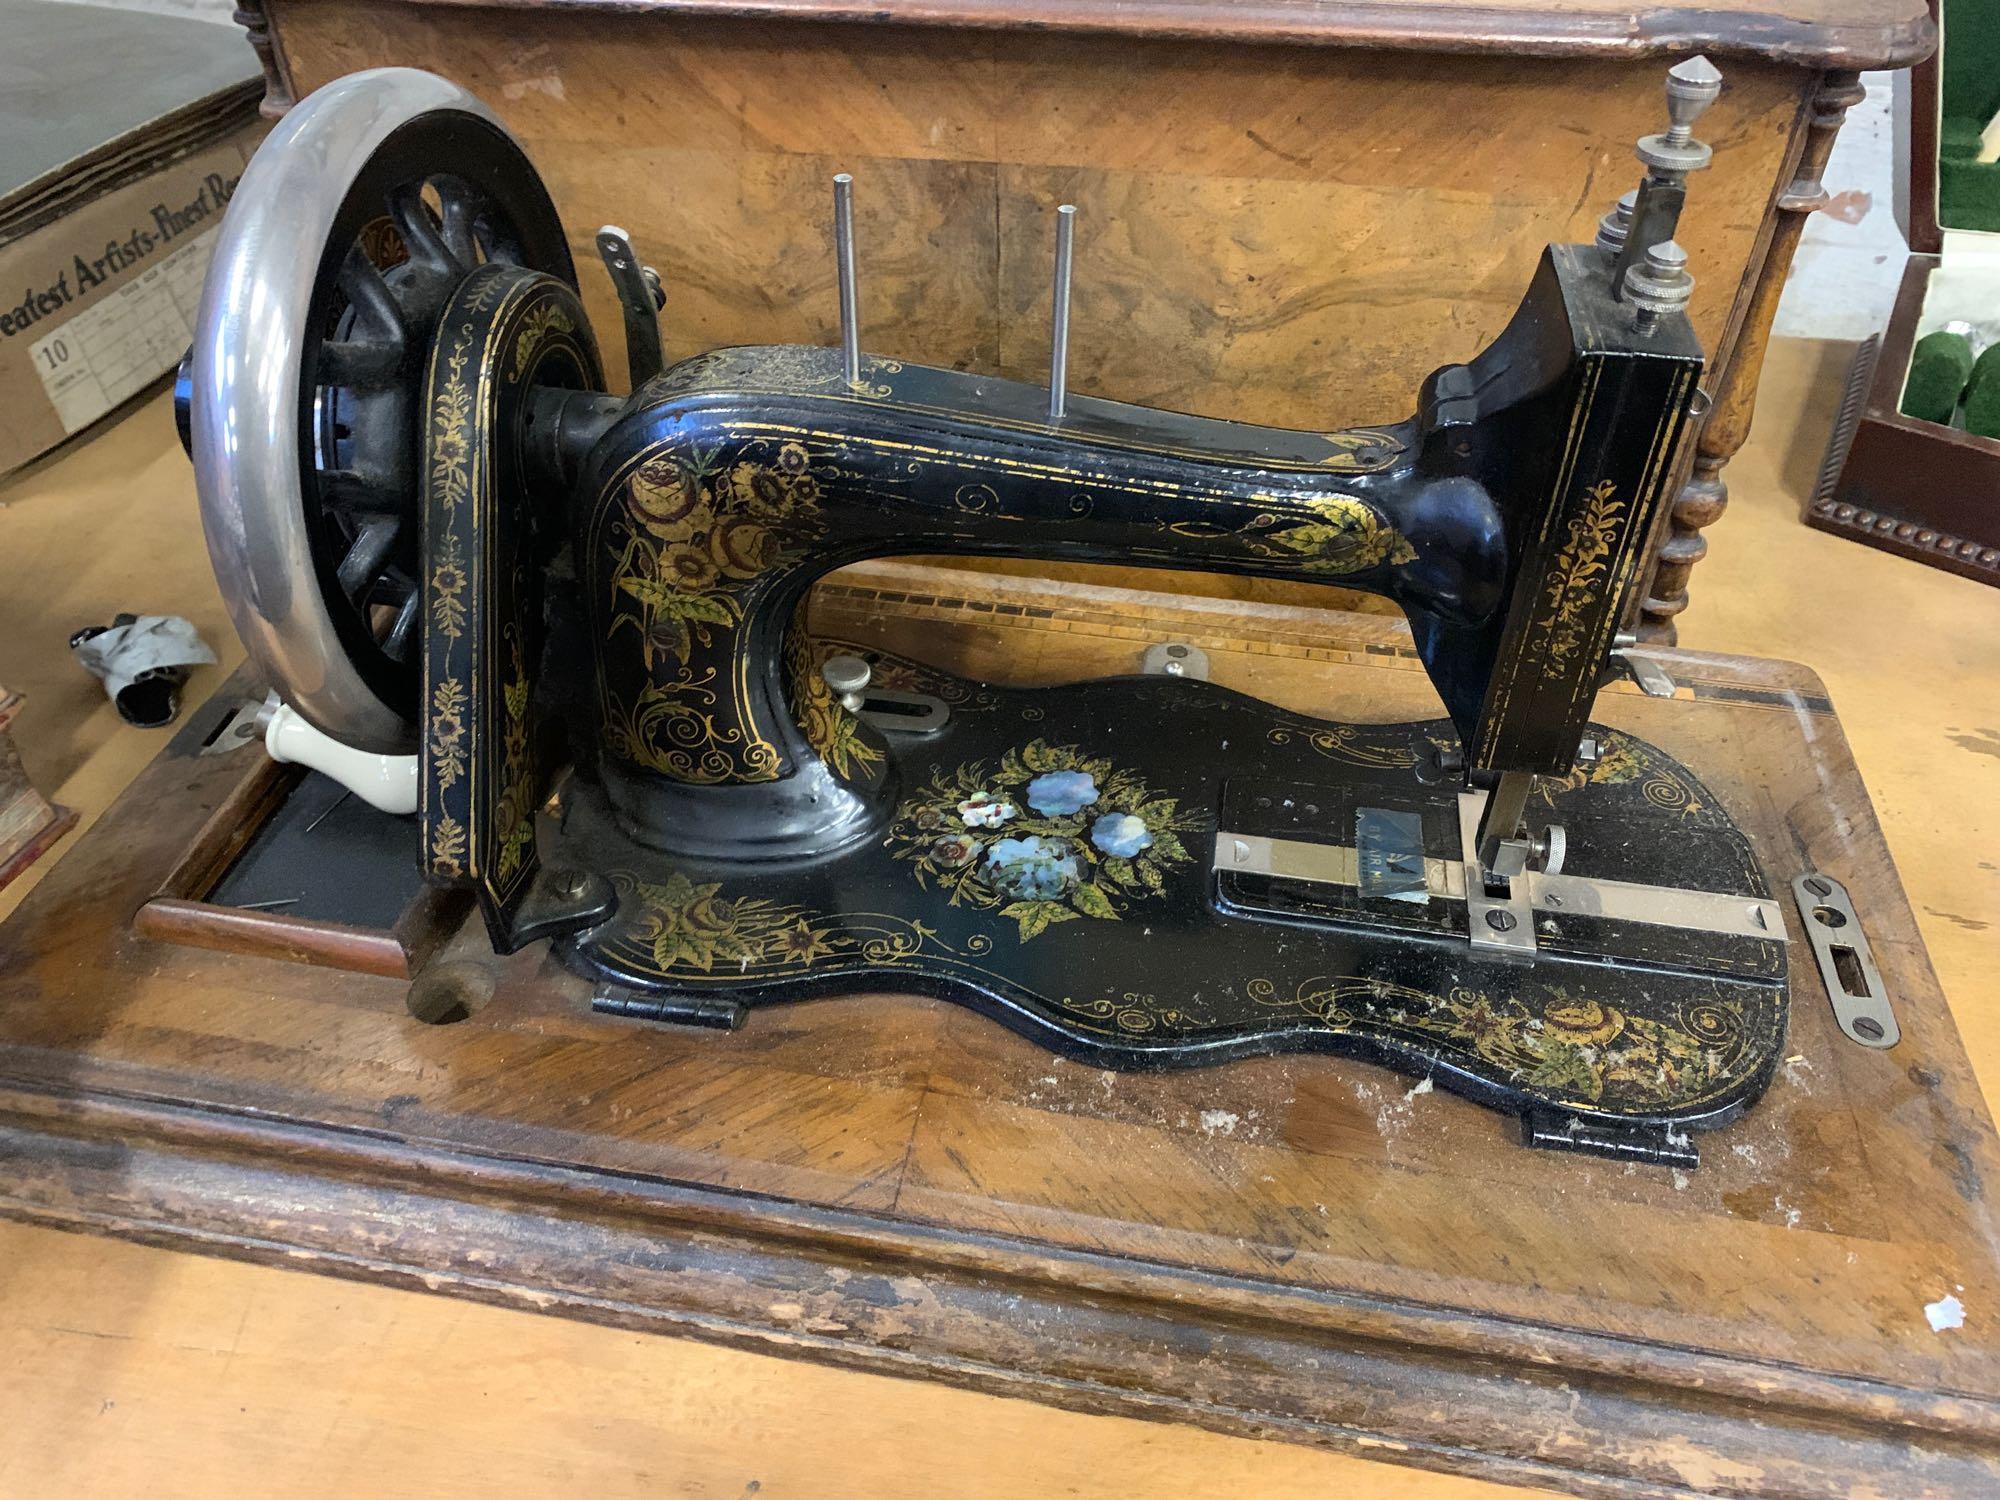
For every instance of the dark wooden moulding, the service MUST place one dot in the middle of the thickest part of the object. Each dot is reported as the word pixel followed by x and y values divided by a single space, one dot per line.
pixel 1918 489
pixel 1292 1248
pixel 1922 490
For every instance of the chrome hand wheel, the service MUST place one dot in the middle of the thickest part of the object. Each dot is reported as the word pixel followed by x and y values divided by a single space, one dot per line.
pixel 352 226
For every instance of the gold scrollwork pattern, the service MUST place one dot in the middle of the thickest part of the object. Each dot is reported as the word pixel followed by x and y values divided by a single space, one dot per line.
pixel 1353 744
pixel 1131 1014
pixel 788 368
pixel 686 927
pixel 1575 1050
pixel 1622 760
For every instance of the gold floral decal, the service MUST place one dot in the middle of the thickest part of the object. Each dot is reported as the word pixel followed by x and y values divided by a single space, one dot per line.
pixel 447 732
pixel 1046 836
pixel 451 427
pixel 541 320
pixel 692 927
pixel 1345 535
pixel 1360 450
pixel 1622 759
pixel 697 534
pixel 1585 554
pixel 698 537
pixel 1577 1050
pixel 448 585
pixel 829 727
pixel 689 927
pixel 448 848
pixel 514 810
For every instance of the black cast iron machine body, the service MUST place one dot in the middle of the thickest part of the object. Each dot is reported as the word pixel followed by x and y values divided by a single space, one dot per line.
pixel 582 615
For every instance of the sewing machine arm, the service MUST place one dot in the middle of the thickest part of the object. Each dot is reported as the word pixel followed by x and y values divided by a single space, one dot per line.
pixel 1506 518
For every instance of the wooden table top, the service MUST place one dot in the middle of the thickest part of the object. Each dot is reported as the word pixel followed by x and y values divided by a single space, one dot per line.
pixel 113 1325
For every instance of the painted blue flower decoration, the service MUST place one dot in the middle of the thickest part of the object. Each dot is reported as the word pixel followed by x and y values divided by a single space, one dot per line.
pixel 1121 835
pixel 1031 868
pixel 1055 794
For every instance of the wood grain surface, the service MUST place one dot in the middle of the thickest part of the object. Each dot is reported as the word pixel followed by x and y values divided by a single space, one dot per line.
pixel 140 1371
pixel 1270 233
pixel 1265 233
pixel 889 1183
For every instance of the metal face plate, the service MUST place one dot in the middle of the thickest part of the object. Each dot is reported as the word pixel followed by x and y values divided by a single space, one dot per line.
pixel 1853 983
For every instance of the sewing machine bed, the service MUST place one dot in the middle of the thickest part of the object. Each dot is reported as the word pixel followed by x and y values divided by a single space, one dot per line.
pixel 1297 1246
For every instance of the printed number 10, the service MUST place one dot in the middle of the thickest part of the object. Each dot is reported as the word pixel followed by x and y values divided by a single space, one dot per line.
pixel 55 353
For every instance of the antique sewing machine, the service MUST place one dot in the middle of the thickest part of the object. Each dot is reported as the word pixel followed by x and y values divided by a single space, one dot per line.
pixel 566 627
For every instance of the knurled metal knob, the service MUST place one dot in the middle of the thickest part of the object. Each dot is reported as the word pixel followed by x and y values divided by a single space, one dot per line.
pixel 1617 224
pixel 1660 283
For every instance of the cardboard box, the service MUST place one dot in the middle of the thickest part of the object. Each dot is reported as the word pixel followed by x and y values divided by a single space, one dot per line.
pixel 118 150
pixel 98 304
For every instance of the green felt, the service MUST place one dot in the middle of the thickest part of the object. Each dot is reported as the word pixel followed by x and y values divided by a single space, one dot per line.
pixel 1958 138
pixel 1982 396
pixel 1969 96
pixel 1969 71
pixel 1939 367
pixel 1969 195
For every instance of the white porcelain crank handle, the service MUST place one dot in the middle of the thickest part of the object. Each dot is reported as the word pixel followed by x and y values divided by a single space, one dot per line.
pixel 387 781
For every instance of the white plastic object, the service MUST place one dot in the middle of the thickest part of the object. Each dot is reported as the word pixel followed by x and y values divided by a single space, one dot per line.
pixel 385 781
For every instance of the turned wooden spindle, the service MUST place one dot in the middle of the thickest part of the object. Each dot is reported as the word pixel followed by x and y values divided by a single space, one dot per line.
pixel 278 94
pixel 1704 497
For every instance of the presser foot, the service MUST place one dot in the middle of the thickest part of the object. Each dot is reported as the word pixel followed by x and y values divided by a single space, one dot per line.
pixel 1154 872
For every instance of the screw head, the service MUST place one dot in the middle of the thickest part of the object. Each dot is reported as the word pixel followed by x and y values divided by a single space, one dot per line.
pixel 1499 920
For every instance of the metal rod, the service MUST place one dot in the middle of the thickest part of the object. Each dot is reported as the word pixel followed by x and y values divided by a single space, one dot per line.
pixel 328 811
pixel 843 249
pixel 1059 315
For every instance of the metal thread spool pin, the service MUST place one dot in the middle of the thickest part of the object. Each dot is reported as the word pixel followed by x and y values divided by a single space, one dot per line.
pixel 843 250
pixel 1059 316
pixel 1692 86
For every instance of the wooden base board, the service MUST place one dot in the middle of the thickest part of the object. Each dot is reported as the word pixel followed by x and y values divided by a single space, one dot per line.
pixel 1288 1247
